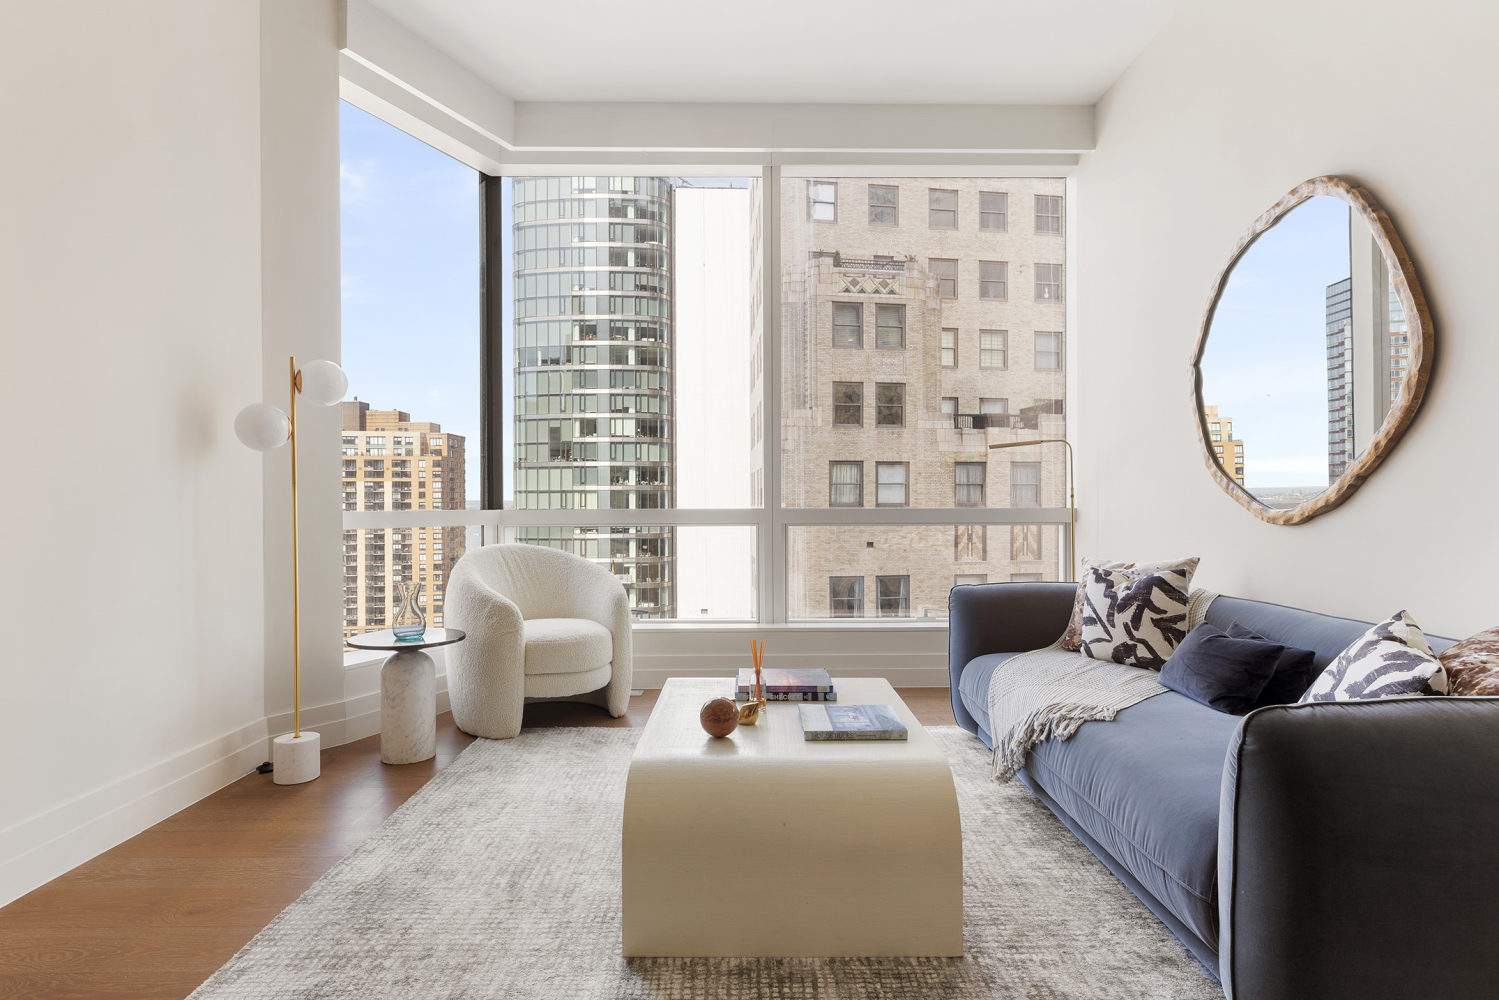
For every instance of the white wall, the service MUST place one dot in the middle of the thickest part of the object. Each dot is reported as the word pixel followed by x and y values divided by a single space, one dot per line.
pixel 1226 110
pixel 133 679
pixel 130 289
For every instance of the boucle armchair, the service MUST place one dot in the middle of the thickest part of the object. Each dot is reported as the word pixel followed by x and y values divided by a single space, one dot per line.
pixel 541 623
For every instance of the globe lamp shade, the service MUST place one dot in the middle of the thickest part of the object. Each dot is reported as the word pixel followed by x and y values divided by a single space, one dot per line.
pixel 323 383
pixel 262 427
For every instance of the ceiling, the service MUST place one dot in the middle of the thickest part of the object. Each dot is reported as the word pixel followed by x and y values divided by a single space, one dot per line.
pixel 792 51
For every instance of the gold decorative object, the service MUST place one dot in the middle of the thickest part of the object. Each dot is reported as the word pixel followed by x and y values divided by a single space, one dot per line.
pixel 1071 491
pixel 749 713
pixel 719 717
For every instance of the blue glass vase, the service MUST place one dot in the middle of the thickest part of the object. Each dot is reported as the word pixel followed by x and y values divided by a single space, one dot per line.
pixel 410 623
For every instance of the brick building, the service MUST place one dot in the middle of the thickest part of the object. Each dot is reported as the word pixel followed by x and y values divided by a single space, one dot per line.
pixel 391 462
pixel 922 320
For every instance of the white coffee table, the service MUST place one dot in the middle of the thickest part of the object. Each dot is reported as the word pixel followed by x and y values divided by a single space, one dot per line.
pixel 765 844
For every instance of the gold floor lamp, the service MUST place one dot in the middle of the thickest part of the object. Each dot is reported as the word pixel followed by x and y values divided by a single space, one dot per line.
pixel 295 756
pixel 1071 492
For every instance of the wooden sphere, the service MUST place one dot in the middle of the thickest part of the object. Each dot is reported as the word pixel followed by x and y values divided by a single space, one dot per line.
pixel 719 717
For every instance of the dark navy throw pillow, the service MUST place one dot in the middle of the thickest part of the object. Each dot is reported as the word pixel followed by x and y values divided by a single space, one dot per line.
pixel 1293 674
pixel 1223 673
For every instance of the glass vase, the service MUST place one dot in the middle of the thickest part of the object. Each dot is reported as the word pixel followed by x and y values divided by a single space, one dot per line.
pixel 410 622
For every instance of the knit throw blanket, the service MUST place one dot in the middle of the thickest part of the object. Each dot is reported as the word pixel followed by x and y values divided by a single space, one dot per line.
pixel 1049 693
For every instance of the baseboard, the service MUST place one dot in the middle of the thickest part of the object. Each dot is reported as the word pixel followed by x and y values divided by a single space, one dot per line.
pixel 39 849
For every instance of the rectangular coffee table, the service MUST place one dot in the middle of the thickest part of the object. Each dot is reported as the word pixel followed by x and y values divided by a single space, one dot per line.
pixel 766 844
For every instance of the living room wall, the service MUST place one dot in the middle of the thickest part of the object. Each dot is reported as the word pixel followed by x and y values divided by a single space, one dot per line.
pixel 147 172
pixel 1229 107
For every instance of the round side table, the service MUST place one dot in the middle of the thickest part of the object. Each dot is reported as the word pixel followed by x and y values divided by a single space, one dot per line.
pixel 408 692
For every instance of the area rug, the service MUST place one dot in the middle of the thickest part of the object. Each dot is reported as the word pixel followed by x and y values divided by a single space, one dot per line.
pixel 500 879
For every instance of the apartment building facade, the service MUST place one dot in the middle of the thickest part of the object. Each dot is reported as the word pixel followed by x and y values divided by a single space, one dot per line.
pixel 922 321
pixel 1228 449
pixel 391 462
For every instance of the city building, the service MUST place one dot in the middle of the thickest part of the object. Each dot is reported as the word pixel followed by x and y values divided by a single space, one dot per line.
pixel 593 369
pixel 1229 449
pixel 391 462
pixel 1340 450
pixel 922 321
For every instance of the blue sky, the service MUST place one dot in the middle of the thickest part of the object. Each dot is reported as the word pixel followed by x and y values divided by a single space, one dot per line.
pixel 410 245
pixel 1266 359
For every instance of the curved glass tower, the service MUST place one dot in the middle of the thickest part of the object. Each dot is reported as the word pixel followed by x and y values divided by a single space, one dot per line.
pixel 593 392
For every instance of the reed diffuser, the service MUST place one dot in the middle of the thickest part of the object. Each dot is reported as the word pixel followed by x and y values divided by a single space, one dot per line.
pixel 749 712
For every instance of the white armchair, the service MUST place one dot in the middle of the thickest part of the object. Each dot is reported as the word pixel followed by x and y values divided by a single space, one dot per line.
pixel 541 623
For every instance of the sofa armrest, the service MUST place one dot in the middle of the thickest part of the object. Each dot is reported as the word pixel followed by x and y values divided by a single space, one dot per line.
pixel 1354 851
pixel 1001 618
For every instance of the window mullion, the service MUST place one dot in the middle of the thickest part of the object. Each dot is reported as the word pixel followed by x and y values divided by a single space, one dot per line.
pixel 771 565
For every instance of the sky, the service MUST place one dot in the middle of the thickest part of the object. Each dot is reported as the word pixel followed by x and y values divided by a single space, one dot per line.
pixel 1265 365
pixel 410 266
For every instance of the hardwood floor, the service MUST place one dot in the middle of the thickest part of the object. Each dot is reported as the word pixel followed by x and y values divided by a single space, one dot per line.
pixel 154 917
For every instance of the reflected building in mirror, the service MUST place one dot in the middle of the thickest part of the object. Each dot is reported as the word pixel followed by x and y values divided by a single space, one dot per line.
pixel 1230 450
pixel 1339 378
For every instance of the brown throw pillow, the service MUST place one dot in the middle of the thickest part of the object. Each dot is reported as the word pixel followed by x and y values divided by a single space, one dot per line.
pixel 1473 664
pixel 1073 638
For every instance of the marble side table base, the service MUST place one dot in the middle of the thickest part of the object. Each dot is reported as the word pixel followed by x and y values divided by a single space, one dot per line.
pixel 408 708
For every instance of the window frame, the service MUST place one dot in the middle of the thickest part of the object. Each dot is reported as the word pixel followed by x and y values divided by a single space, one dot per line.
pixel 860 405
pixel 903 609
pixel 882 309
pixel 893 206
pixel 905 483
pixel 1003 281
pixel 944 347
pixel 959 484
pixel 854 611
pixel 859 308
pixel 1003 213
pixel 1060 352
pixel 776 385
pixel 932 209
pixel 813 202
pixel 930 261
pixel 833 464
pixel 1004 351
pixel 878 406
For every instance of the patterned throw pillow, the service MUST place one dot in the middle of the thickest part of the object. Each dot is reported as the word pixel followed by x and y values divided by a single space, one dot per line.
pixel 1473 665
pixel 1073 638
pixel 1134 619
pixel 1390 660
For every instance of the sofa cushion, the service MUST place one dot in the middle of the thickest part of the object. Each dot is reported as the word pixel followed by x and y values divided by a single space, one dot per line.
pixel 1146 787
pixel 566 645
pixel 973 687
pixel 1391 660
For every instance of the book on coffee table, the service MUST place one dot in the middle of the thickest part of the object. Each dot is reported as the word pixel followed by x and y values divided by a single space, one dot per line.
pixel 851 722
pixel 781 680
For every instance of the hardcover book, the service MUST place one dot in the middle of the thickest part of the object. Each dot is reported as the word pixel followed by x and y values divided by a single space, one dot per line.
pixel 743 695
pixel 851 722
pixel 781 680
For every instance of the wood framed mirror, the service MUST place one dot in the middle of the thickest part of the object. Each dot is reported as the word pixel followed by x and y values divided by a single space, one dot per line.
pixel 1313 355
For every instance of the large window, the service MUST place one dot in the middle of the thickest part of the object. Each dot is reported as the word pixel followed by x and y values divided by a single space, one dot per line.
pixel 846 596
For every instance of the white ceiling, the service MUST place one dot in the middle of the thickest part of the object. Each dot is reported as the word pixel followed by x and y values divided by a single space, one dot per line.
pixel 795 51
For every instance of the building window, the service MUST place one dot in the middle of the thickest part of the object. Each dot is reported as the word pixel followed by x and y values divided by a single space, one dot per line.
pixel 890 404
pixel 1025 484
pixel 890 484
pixel 969 481
pixel 946 272
pixel 998 406
pixel 884 205
pixel 1048 351
pixel 822 201
pixel 993 279
pixel 894 596
pixel 970 579
pixel 942 209
pixel 1048 213
pixel 846 596
pixel 1048 282
pixel 848 324
pixel 890 327
pixel 949 405
pixel 994 211
pixel 993 348
pixel 846 484
pixel 1025 577
pixel 949 348
pixel 848 404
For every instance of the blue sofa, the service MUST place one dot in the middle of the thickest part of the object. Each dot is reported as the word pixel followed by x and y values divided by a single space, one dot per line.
pixel 1330 851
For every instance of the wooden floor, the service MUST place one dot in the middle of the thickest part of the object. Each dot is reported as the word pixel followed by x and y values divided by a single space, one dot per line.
pixel 155 916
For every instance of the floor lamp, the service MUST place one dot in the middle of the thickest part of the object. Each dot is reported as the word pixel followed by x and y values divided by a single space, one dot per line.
pixel 1071 491
pixel 295 756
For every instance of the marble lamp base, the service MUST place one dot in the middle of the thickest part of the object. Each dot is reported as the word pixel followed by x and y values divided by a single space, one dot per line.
pixel 408 708
pixel 296 759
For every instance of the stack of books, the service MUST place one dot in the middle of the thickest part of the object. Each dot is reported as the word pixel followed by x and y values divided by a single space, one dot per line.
pixel 787 685
pixel 851 722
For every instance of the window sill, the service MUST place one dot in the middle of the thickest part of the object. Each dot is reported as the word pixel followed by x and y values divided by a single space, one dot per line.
pixel 811 625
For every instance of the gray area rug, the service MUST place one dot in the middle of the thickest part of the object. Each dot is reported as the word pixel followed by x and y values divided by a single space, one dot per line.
pixel 500 878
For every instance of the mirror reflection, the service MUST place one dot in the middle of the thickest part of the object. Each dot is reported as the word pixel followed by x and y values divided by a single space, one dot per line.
pixel 1307 349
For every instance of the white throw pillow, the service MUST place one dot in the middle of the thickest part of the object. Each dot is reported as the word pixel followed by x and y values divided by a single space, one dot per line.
pixel 1132 618
pixel 1391 660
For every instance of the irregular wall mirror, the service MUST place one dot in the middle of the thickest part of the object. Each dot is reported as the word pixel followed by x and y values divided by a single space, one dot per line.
pixel 1313 355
